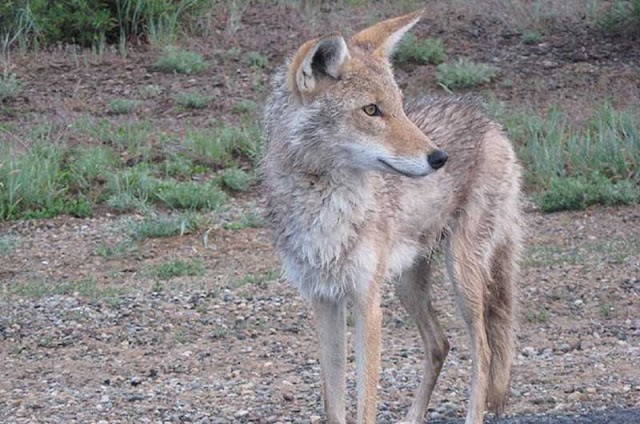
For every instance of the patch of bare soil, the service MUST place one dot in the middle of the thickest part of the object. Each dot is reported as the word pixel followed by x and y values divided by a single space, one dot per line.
pixel 236 345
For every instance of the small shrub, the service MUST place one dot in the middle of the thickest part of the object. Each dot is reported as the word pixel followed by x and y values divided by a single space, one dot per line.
pixel 236 179
pixel 10 86
pixel 192 100
pixel 180 61
pixel 123 106
pixel 464 74
pixel 430 50
pixel 177 268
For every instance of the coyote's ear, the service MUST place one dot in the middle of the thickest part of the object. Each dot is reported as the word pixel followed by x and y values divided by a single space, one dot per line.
pixel 317 59
pixel 383 37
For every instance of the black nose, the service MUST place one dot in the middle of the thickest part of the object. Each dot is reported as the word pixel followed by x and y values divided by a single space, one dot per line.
pixel 437 159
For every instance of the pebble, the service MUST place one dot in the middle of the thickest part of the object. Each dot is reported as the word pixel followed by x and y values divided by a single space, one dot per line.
pixel 241 413
pixel 529 351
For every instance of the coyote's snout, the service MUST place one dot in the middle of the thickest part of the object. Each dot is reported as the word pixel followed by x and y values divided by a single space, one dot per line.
pixel 345 217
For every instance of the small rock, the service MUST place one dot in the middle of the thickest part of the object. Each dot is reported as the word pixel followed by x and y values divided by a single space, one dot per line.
pixel 241 413
pixel 529 351
pixel 564 348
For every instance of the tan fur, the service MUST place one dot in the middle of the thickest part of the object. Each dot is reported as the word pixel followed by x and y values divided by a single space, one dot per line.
pixel 354 200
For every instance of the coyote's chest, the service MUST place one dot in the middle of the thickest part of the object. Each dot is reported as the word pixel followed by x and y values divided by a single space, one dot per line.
pixel 329 244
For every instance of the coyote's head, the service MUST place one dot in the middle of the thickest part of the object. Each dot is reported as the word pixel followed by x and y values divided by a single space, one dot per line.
pixel 348 99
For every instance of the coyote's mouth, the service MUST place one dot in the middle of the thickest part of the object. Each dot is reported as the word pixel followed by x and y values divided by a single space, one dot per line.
pixel 404 173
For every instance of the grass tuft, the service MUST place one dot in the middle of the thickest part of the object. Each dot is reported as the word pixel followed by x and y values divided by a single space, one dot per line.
pixel 177 268
pixel 464 73
pixel 236 179
pixel 10 86
pixel 123 106
pixel 162 227
pixel 180 61
pixel 421 52
pixel 192 100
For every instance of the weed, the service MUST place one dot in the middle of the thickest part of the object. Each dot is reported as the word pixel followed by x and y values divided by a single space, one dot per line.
pixel 10 86
pixel 178 166
pixel 606 309
pixel 464 73
pixel 123 106
pixel 180 61
pixel 531 37
pixel 177 268
pixel 236 179
pixel 430 50
pixel 192 100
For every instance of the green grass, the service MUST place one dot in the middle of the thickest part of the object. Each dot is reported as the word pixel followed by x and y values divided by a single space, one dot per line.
pixel 249 219
pixel 88 165
pixel 464 73
pixel 537 316
pixel 180 61
pixel 177 268
pixel 133 137
pixel 7 244
pixel 255 279
pixel 236 179
pixel 117 250
pixel 123 106
pixel 32 181
pixel 189 195
pixel 87 288
pixel 572 166
pixel 255 60
pixel 192 100
pixel 531 37
pixel 244 107
pixel 10 86
pixel 150 91
pixel 421 52
pixel 162 226
pixel 620 17
pixel 219 146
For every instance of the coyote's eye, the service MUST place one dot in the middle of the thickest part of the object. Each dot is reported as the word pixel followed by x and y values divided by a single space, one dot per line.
pixel 372 110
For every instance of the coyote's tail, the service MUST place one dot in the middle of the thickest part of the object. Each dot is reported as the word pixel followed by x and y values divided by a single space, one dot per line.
pixel 500 323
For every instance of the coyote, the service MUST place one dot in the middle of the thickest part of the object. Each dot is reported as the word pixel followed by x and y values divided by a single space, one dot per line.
pixel 363 190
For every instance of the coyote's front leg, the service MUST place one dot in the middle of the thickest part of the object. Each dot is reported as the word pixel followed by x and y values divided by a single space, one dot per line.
pixel 367 345
pixel 331 328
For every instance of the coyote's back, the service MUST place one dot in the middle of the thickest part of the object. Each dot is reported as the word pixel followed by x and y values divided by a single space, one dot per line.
pixel 363 189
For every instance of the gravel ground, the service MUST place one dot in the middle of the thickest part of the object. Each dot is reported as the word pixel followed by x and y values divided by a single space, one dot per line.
pixel 86 338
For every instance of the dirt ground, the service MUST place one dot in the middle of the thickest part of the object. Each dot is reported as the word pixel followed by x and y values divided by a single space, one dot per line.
pixel 236 344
